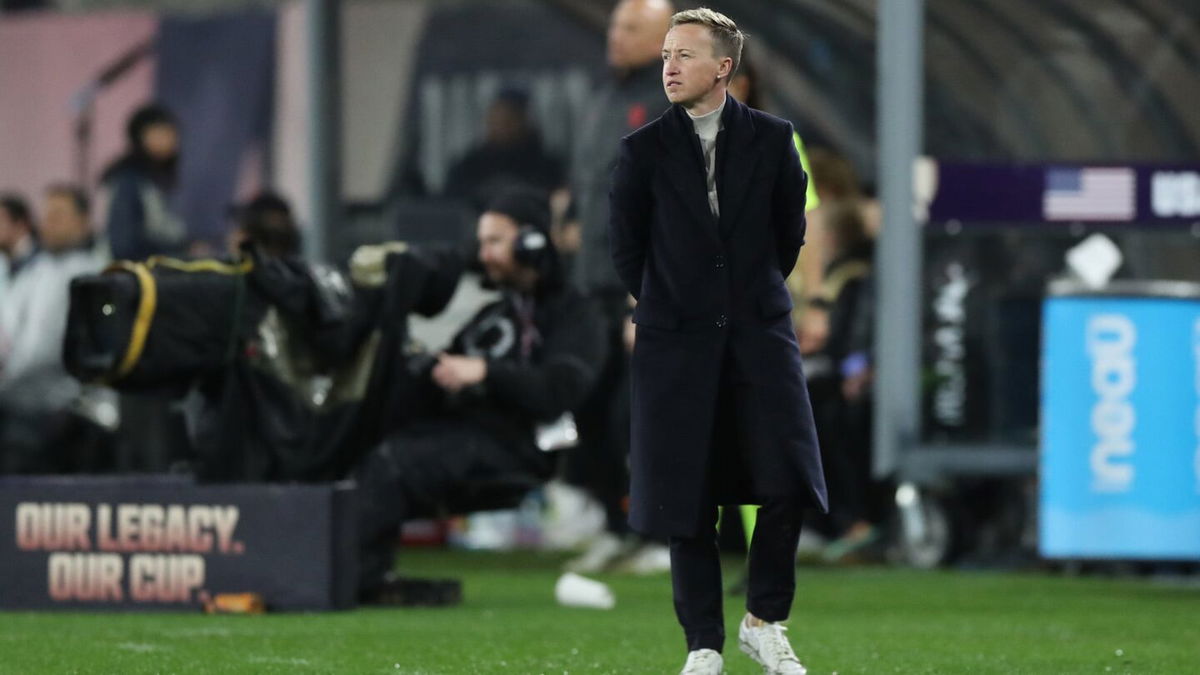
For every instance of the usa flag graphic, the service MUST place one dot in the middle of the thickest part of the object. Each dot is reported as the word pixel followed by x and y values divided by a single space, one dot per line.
pixel 1089 194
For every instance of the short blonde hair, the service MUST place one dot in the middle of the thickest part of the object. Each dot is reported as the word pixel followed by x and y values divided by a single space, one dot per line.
pixel 727 38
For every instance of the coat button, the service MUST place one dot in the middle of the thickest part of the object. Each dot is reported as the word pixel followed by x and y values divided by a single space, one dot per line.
pixel 719 262
pixel 721 321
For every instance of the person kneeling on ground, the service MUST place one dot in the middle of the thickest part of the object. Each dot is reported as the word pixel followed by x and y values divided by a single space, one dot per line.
pixel 507 380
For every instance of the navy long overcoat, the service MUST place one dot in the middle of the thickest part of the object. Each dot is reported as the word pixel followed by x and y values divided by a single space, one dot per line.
pixel 720 410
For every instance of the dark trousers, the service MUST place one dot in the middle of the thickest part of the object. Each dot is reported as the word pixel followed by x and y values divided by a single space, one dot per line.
pixel 431 469
pixel 696 574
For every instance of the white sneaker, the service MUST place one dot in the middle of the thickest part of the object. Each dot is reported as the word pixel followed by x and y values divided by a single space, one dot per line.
pixel 646 560
pixel 703 662
pixel 603 551
pixel 769 647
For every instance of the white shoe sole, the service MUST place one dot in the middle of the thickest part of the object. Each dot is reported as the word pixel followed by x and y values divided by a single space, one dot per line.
pixel 750 651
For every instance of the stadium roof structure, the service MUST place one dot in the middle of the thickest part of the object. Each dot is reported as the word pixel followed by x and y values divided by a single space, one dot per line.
pixel 1027 80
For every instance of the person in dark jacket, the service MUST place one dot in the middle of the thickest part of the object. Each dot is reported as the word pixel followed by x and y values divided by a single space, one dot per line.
pixel 839 372
pixel 142 219
pixel 509 381
pixel 630 98
pixel 265 221
pixel 707 222
pixel 512 154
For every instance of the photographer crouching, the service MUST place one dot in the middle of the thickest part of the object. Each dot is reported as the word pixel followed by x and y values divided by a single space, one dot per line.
pixel 507 384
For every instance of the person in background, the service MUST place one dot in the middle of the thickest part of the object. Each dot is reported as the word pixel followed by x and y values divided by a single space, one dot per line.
pixel 141 219
pixel 36 393
pixel 265 221
pixel 631 98
pixel 839 384
pixel 508 380
pixel 511 155
pixel 141 222
pixel 18 239
pixel 834 180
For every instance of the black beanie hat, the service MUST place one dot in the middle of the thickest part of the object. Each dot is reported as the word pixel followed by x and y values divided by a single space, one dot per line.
pixel 524 205
pixel 146 116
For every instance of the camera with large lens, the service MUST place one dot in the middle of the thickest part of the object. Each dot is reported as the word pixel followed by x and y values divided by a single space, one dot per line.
pixel 288 370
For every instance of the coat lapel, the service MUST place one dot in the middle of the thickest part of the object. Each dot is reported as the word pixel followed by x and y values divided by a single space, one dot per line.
pixel 735 163
pixel 683 164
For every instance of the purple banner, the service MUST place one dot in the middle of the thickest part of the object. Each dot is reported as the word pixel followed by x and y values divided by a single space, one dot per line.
pixel 1167 194
pixel 217 74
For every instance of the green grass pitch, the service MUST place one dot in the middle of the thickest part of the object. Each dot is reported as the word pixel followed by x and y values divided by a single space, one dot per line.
pixel 862 620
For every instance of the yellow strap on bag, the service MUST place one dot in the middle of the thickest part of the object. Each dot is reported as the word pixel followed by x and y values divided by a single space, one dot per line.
pixel 205 265
pixel 145 315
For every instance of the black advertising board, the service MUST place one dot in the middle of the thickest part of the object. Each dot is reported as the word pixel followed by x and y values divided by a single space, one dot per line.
pixel 163 542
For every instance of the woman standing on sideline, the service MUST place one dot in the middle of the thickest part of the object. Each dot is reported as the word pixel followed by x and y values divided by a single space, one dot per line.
pixel 707 220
